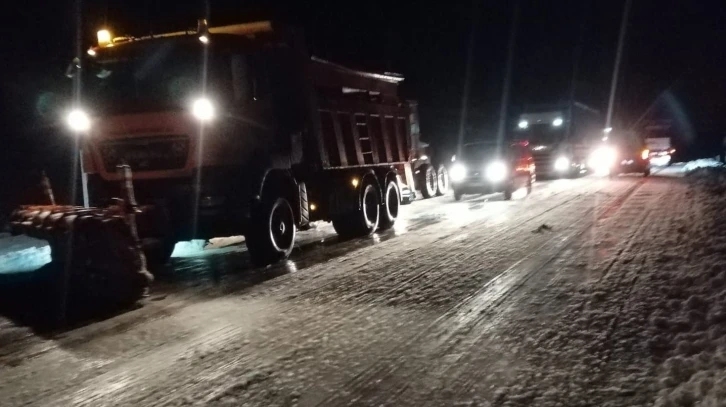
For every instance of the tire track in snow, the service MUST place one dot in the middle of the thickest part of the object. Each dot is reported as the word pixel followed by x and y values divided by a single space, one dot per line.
pixel 465 314
pixel 597 349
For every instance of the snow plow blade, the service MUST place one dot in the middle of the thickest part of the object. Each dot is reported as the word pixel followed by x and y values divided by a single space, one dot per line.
pixel 91 249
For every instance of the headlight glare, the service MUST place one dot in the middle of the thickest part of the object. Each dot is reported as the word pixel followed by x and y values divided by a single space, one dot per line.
pixel 496 171
pixel 562 164
pixel 602 160
pixel 78 120
pixel 458 172
pixel 203 109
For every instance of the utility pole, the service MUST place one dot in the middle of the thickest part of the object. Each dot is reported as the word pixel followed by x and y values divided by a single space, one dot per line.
pixel 467 76
pixel 576 70
pixel 508 74
pixel 618 58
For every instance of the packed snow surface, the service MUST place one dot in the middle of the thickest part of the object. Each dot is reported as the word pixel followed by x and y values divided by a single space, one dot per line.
pixel 589 292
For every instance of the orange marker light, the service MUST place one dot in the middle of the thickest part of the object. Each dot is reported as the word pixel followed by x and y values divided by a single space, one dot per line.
pixel 104 38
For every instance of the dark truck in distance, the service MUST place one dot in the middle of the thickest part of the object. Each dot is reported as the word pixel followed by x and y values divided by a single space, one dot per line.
pixel 430 174
pixel 488 167
pixel 271 140
pixel 561 137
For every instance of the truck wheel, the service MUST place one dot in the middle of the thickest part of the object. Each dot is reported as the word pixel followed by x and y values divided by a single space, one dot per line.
pixel 428 181
pixel 271 234
pixel 442 180
pixel 364 220
pixel 390 205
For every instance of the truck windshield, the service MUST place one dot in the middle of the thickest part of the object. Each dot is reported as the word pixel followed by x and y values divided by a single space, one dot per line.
pixel 479 152
pixel 543 134
pixel 160 75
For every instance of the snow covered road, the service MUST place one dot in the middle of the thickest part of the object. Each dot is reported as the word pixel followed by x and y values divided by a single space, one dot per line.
pixel 565 297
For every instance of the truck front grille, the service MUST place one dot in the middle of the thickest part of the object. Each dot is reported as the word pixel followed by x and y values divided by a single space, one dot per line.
pixel 146 154
pixel 544 161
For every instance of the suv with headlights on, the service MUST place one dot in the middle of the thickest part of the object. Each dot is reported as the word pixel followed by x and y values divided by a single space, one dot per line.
pixel 486 167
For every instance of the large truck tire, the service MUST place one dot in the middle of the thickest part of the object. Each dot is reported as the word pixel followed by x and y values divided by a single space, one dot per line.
pixel 271 233
pixel 364 220
pixel 427 180
pixel 442 180
pixel 390 205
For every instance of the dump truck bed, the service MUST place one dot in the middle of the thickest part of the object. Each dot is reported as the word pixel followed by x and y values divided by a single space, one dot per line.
pixel 360 119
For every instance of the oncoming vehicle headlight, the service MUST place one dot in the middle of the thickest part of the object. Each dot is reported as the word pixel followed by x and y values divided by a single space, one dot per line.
pixel 78 120
pixel 458 172
pixel 203 109
pixel 562 164
pixel 602 159
pixel 496 171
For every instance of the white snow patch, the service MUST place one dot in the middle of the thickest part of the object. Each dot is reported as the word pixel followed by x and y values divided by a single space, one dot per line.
pixel 189 248
pixel 219 242
pixel 22 253
pixel 702 163
pixel 198 247
pixel 689 330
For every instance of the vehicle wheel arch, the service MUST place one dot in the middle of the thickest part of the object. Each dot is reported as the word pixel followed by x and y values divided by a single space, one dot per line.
pixel 369 176
pixel 280 182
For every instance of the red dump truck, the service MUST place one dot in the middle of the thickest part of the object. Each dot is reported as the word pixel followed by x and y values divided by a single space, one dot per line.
pixel 230 130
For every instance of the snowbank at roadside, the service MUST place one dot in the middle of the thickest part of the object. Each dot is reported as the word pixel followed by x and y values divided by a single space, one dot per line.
pixel 689 328
pixel 22 253
pixel 702 163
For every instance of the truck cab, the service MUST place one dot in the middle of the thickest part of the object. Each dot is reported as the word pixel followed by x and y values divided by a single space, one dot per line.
pixel 554 154
pixel 561 136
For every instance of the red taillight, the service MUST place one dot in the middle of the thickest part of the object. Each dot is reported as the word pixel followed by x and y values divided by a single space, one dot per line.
pixel 644 155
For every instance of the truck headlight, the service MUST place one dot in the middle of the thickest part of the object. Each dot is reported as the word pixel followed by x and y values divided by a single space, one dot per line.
pixel 203 109
pixel 78 120
pixel 562 164
pixel 496 171
pixel 458 172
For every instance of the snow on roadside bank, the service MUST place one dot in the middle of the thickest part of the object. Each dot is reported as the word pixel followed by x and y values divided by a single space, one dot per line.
pixel 702 163
pixel 22 253
pixel 688 340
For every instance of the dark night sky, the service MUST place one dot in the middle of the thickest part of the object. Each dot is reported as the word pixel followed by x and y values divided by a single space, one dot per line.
pixel 673 42
pixel 427 43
